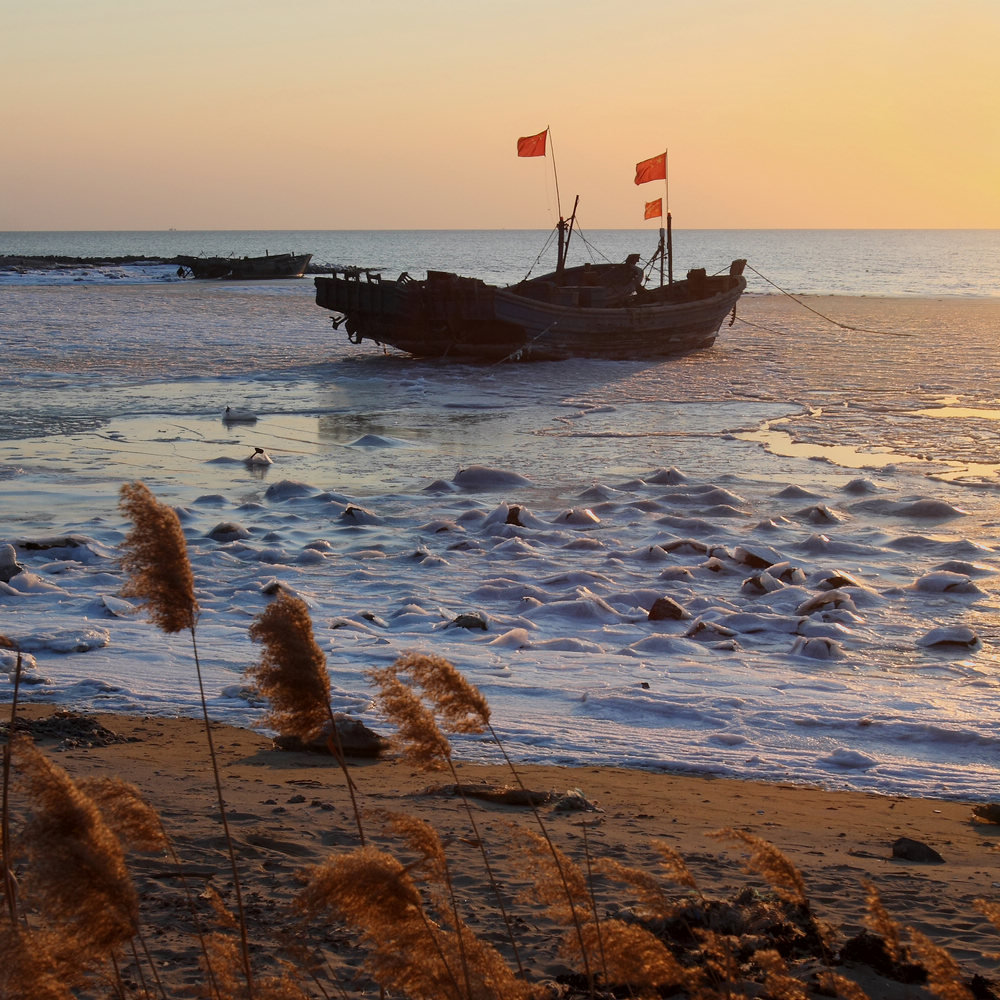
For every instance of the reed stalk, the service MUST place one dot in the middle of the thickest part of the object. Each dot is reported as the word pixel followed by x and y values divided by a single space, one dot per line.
pixel 9 887
pixel 424 745
pixel 155 559
pixel 463 710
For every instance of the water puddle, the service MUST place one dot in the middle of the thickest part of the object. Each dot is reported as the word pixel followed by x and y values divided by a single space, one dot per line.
pixel 958 412
pixel 782 443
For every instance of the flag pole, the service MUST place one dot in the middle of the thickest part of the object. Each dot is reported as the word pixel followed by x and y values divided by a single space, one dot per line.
pixel 555 173
pixel 564 229
pixel 670 239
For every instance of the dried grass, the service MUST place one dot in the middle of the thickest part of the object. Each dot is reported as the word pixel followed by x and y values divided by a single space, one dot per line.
pixel 292 672
pixel 158 572
pixel 31 967
pixel 292 675
pixel 880 923
pixel 767 861
pixel 155 561
pixel 632 957
pixel 408 919
pixel 76 883
pixel 944 977
pixel 129 816
pixel 780 985
pixel 461 705
pixel 418 736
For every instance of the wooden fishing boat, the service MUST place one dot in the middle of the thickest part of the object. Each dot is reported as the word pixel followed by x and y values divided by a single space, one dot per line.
pixel 278 265
pixel 593 311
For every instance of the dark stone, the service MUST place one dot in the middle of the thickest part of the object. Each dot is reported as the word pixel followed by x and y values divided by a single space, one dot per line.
pixel 470 621
pixel 228 531
pixel 914 850
pixel 870 949
pixel 988 811
pixel 703 629
pixel 72 731
pixel 514 516
pixel 755 560
pixel 355 737
pixel 667 609
pixel 52 542
pixel 838 580
pixel 9 566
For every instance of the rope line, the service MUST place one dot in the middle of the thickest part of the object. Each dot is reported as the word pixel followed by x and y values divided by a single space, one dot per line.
pixel 514 355
pixel 843 326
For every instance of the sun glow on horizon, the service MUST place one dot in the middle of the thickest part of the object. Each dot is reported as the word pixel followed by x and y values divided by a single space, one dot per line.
pixel 397 115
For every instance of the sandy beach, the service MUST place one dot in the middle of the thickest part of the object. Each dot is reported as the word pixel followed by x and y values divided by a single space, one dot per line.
pixel 289 810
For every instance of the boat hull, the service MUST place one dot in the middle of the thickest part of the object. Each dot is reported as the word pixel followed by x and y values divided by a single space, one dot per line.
pixel 548 319
pixel 280 265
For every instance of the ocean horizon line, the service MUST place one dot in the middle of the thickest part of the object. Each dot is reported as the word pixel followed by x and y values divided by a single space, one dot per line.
pixel 542 229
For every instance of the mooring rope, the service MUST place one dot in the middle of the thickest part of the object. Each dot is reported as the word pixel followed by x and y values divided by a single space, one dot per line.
pixel 829 319
pixel 516 354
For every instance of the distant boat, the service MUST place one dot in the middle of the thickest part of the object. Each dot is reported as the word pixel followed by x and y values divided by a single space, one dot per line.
pixel 279 265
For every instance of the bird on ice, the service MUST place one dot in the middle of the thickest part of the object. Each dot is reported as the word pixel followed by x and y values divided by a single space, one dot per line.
pixel 234 415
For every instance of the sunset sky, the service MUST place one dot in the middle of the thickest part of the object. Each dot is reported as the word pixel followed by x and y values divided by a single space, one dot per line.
pixel 383 114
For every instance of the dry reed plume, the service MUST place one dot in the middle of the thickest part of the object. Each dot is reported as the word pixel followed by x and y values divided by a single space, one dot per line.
pixel 675 866
pixel 292 675
pixel 129 816
pixel 768 861
pixel 418 737
pixel 944 978
pixel 154 558
pixel 408 950
pixel 778 983
pixel 76 886
pixel 557 882
pixel 877 920
pixel 29 968
pixel 461 705
pixel 421 740
pixel 650 891
pixel 463 709
pixel 292 671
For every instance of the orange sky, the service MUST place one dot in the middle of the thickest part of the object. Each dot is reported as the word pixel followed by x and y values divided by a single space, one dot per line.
pixel 338 114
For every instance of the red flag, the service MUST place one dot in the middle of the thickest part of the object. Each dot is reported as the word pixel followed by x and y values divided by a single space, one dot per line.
pixel 654 209
pixel 532 145
pixel 653 169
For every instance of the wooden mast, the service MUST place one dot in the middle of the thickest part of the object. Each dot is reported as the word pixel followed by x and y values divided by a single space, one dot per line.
pixel 565 228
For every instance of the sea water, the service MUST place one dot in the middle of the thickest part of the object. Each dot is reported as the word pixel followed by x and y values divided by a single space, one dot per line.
pixel 850 443
pixel 821 262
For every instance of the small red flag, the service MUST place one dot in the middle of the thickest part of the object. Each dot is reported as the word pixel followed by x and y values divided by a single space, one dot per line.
pixel 653 169
pixel 654 209
pixel 532 145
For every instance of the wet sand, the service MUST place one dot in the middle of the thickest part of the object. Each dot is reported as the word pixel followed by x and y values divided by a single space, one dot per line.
pixel 290 810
